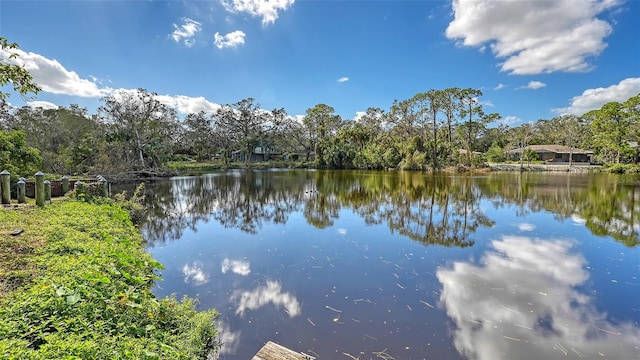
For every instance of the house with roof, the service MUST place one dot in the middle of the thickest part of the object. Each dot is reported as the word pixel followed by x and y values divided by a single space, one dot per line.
pixel 554 153
pixel 259 153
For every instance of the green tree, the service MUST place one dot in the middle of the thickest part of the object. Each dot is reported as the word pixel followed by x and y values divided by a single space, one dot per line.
pixel 68 140
pixel 494 135
pixel 295 138
pixel 373 120
pixel 470 111
pixel 520 137
pixel 572 133
pixel 12 73
pixel 140 129
pixel 496 153
pixel 529 155
pixel 247 126
pixel 373 141
pixel 15 156
pixel 431 103
pixel 632 109
pixel 610 125
pixel 320 123
pixel 199 135
pixel 402 120
pixel 450 106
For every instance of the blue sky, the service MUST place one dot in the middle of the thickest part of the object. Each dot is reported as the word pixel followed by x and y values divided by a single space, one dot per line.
pixel 532 59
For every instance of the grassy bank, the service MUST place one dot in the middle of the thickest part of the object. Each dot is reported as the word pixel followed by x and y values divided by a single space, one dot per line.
pixel 76 285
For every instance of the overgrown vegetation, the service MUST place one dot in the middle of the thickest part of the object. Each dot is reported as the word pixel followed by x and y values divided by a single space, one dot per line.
pixel 76 285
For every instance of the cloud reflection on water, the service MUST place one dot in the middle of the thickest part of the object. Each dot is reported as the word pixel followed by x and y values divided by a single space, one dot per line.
pixel 230 339
pixel 194 273
pixel 520 302
pixel 265 294
pixel 526 227
pixel 239 267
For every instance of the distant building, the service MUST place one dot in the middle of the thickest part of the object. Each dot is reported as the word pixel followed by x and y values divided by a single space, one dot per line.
pixel 554 153
pixel 259 153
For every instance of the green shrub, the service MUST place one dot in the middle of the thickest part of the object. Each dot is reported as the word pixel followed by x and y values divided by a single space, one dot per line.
pixel 90 297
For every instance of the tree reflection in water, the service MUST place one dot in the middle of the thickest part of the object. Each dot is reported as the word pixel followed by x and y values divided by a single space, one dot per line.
pixel 430 209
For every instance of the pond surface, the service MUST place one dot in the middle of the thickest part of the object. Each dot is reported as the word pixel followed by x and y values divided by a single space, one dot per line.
pixel 403 265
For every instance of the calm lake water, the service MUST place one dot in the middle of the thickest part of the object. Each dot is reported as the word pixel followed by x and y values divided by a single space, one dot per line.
pixel 404 265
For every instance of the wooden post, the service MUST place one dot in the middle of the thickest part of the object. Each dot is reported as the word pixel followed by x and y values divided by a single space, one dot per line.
pixel 22 191
pixel 47 192
pixel 40 188
pixel 65 184
pixel 5 177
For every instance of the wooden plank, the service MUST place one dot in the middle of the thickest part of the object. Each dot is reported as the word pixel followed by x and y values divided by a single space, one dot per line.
pixel 273 351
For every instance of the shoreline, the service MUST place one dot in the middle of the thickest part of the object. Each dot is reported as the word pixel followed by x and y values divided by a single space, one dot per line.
pixel 153 175
pixel 581 168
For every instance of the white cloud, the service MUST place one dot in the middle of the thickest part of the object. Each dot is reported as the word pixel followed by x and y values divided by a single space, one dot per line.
pixel 186 32
pixel 534 37
pixel 239 267
pixel 343 79
pixel 232 39
pixel 266 294
pixel 486 103
pixel 524 300
pixel 195 274
pixel 52 77
pixel 592 99
pixel 359 115
pixel 534 85
pixel 189 105
pixel 509 120
pixel 42 104
pixel 268 10
pixel 500 86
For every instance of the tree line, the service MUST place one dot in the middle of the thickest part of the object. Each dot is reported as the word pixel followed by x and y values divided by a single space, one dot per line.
pixel 134 130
